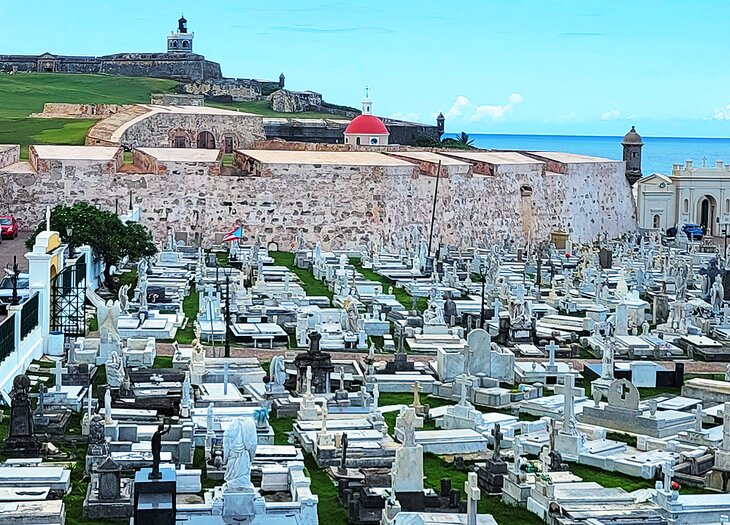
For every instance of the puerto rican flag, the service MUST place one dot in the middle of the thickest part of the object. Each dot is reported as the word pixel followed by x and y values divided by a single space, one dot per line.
pixel 234 235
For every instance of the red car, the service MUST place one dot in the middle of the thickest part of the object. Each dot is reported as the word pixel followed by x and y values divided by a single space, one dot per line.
pixel 8 227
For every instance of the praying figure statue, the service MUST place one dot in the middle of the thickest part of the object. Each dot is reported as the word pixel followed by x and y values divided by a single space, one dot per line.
pixel 107 314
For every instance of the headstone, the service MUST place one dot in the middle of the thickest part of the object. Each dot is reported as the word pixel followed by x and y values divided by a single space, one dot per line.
pixel 20 441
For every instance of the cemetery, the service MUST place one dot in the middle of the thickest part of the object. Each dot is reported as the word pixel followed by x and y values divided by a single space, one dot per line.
pixel 560 383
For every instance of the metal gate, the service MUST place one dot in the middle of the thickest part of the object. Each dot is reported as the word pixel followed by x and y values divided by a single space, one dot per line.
pixel 68 296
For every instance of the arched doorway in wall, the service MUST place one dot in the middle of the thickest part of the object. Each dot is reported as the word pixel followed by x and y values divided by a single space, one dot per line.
pixel 206 140
pixel 706 213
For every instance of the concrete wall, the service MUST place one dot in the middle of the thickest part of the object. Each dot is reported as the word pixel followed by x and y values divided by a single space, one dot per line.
pixel 285 101
pixel 149 164
pixel 54 168
pixel 66 110
pixel 159 130
pixel 228 89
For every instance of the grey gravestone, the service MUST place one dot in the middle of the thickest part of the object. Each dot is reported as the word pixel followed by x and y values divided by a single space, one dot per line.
pixel 605 258
pixel 109 479
pixel 21 442
pixel 480 345
pixel 623 394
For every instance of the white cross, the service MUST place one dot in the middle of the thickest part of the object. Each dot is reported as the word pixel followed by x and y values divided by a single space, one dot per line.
pixel 58 371
pixel 698 418
pixel 544 460
pixel 308 392
pixel 473 494
pixel 668 473
pixel 408 422
pixel 569 392
pixel 225 378
pixel 517 450
pixel 416 394
pixel 552 348
pixel 462 400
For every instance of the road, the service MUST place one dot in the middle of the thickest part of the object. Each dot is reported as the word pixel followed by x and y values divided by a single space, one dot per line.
pixel 14 247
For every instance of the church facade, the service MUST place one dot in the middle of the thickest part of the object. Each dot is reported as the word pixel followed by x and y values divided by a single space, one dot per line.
pixel 178 62
pixel 691 194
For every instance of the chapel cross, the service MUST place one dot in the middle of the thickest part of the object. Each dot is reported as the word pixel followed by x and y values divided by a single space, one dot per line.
pixel 58 371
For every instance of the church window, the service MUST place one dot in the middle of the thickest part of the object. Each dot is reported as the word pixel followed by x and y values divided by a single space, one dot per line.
pixel 656 221
pixel 685 206
pixel 357 141
pixel 174 43
pixel 186 43
pixel 727 205
pixel 374 141
pixel 347 140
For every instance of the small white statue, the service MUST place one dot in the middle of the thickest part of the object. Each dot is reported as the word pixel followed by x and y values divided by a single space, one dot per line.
pixel 239 448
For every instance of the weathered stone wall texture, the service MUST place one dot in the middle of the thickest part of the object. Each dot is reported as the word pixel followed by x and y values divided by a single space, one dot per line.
pixel 344 206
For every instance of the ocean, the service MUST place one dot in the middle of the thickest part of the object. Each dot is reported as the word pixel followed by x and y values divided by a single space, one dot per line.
pixel 659 153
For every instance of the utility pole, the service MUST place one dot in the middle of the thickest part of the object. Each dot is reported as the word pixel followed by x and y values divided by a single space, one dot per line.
pixel 433 210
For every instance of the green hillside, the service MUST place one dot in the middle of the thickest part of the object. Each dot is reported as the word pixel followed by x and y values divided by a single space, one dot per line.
pixel 25 93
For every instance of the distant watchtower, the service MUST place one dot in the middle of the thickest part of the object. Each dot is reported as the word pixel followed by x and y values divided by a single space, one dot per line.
pixel 440 124
pixel 180 41
pixel 632 144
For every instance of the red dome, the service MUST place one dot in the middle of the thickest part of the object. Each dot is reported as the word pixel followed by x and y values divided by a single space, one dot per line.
pixel 366 125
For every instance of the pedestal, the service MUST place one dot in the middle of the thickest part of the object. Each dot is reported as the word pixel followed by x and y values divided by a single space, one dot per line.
pixel 154 499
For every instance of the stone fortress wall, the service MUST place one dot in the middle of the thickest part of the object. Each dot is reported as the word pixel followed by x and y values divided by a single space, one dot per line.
pixel 176 66
pixel 344 206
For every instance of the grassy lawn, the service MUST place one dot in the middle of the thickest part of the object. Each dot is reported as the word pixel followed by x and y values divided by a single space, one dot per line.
pixel 311 285
pixel 27 131
pixel 185 336
pixel 261 107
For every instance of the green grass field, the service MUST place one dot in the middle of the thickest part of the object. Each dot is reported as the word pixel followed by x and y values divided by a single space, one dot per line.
pixel 26 93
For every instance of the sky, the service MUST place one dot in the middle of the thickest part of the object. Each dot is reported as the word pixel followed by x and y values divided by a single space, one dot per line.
pixel 573 67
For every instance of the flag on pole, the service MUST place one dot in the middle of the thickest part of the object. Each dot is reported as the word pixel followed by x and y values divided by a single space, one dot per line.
pixel 234 235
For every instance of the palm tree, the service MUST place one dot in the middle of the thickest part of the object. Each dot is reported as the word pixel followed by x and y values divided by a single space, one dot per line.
pixel 463 138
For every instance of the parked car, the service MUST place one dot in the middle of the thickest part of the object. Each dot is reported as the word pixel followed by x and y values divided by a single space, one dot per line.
pixel 6 289
pixel 9 228
pixel 693 231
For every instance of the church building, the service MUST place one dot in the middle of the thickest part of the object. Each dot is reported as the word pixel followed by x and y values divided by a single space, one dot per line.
pixel 367 129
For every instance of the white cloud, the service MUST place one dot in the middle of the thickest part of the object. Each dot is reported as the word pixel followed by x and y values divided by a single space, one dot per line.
pixel 464 108
pixel 721 113
pixel 457 108
pixel 411 117
pixel 612 114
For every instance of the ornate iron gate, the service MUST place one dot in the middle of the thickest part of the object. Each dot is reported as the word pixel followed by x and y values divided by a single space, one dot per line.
pixel 68 296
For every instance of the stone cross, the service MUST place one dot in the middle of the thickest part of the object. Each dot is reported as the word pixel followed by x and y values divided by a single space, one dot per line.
pixel 668 472
pixel 417 389
pixel 569 392
pixel 607 359
pixel 473 494
pixel 308 391
pixel 698 418
pixel 463 381
pixel 544 460
pixel 517 450
pixel 342 379
pixel 409 420
pixel 726 427
pixel 343 455
pixel 376 396
pixel 58 371
pixel 497 436
pixel 225 378
pixel 325 413
pixel 108 407
pixel 551 348
pixel 497 304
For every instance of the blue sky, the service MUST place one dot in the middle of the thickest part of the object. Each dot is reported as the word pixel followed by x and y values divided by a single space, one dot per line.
pixel 502 66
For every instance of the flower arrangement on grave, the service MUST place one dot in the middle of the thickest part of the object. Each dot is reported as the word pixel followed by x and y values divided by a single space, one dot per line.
pixel 675 486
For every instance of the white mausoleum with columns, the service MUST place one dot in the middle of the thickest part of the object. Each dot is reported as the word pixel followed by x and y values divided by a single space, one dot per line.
pixel 691 194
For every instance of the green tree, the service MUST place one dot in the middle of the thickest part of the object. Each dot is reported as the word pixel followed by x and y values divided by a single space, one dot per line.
pixel 463 138
pixel 106 234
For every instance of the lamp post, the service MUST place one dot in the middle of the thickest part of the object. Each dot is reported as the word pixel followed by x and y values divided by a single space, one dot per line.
pixel 15 299
pixel 227 351
pixel 69 236
pixel 483 274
